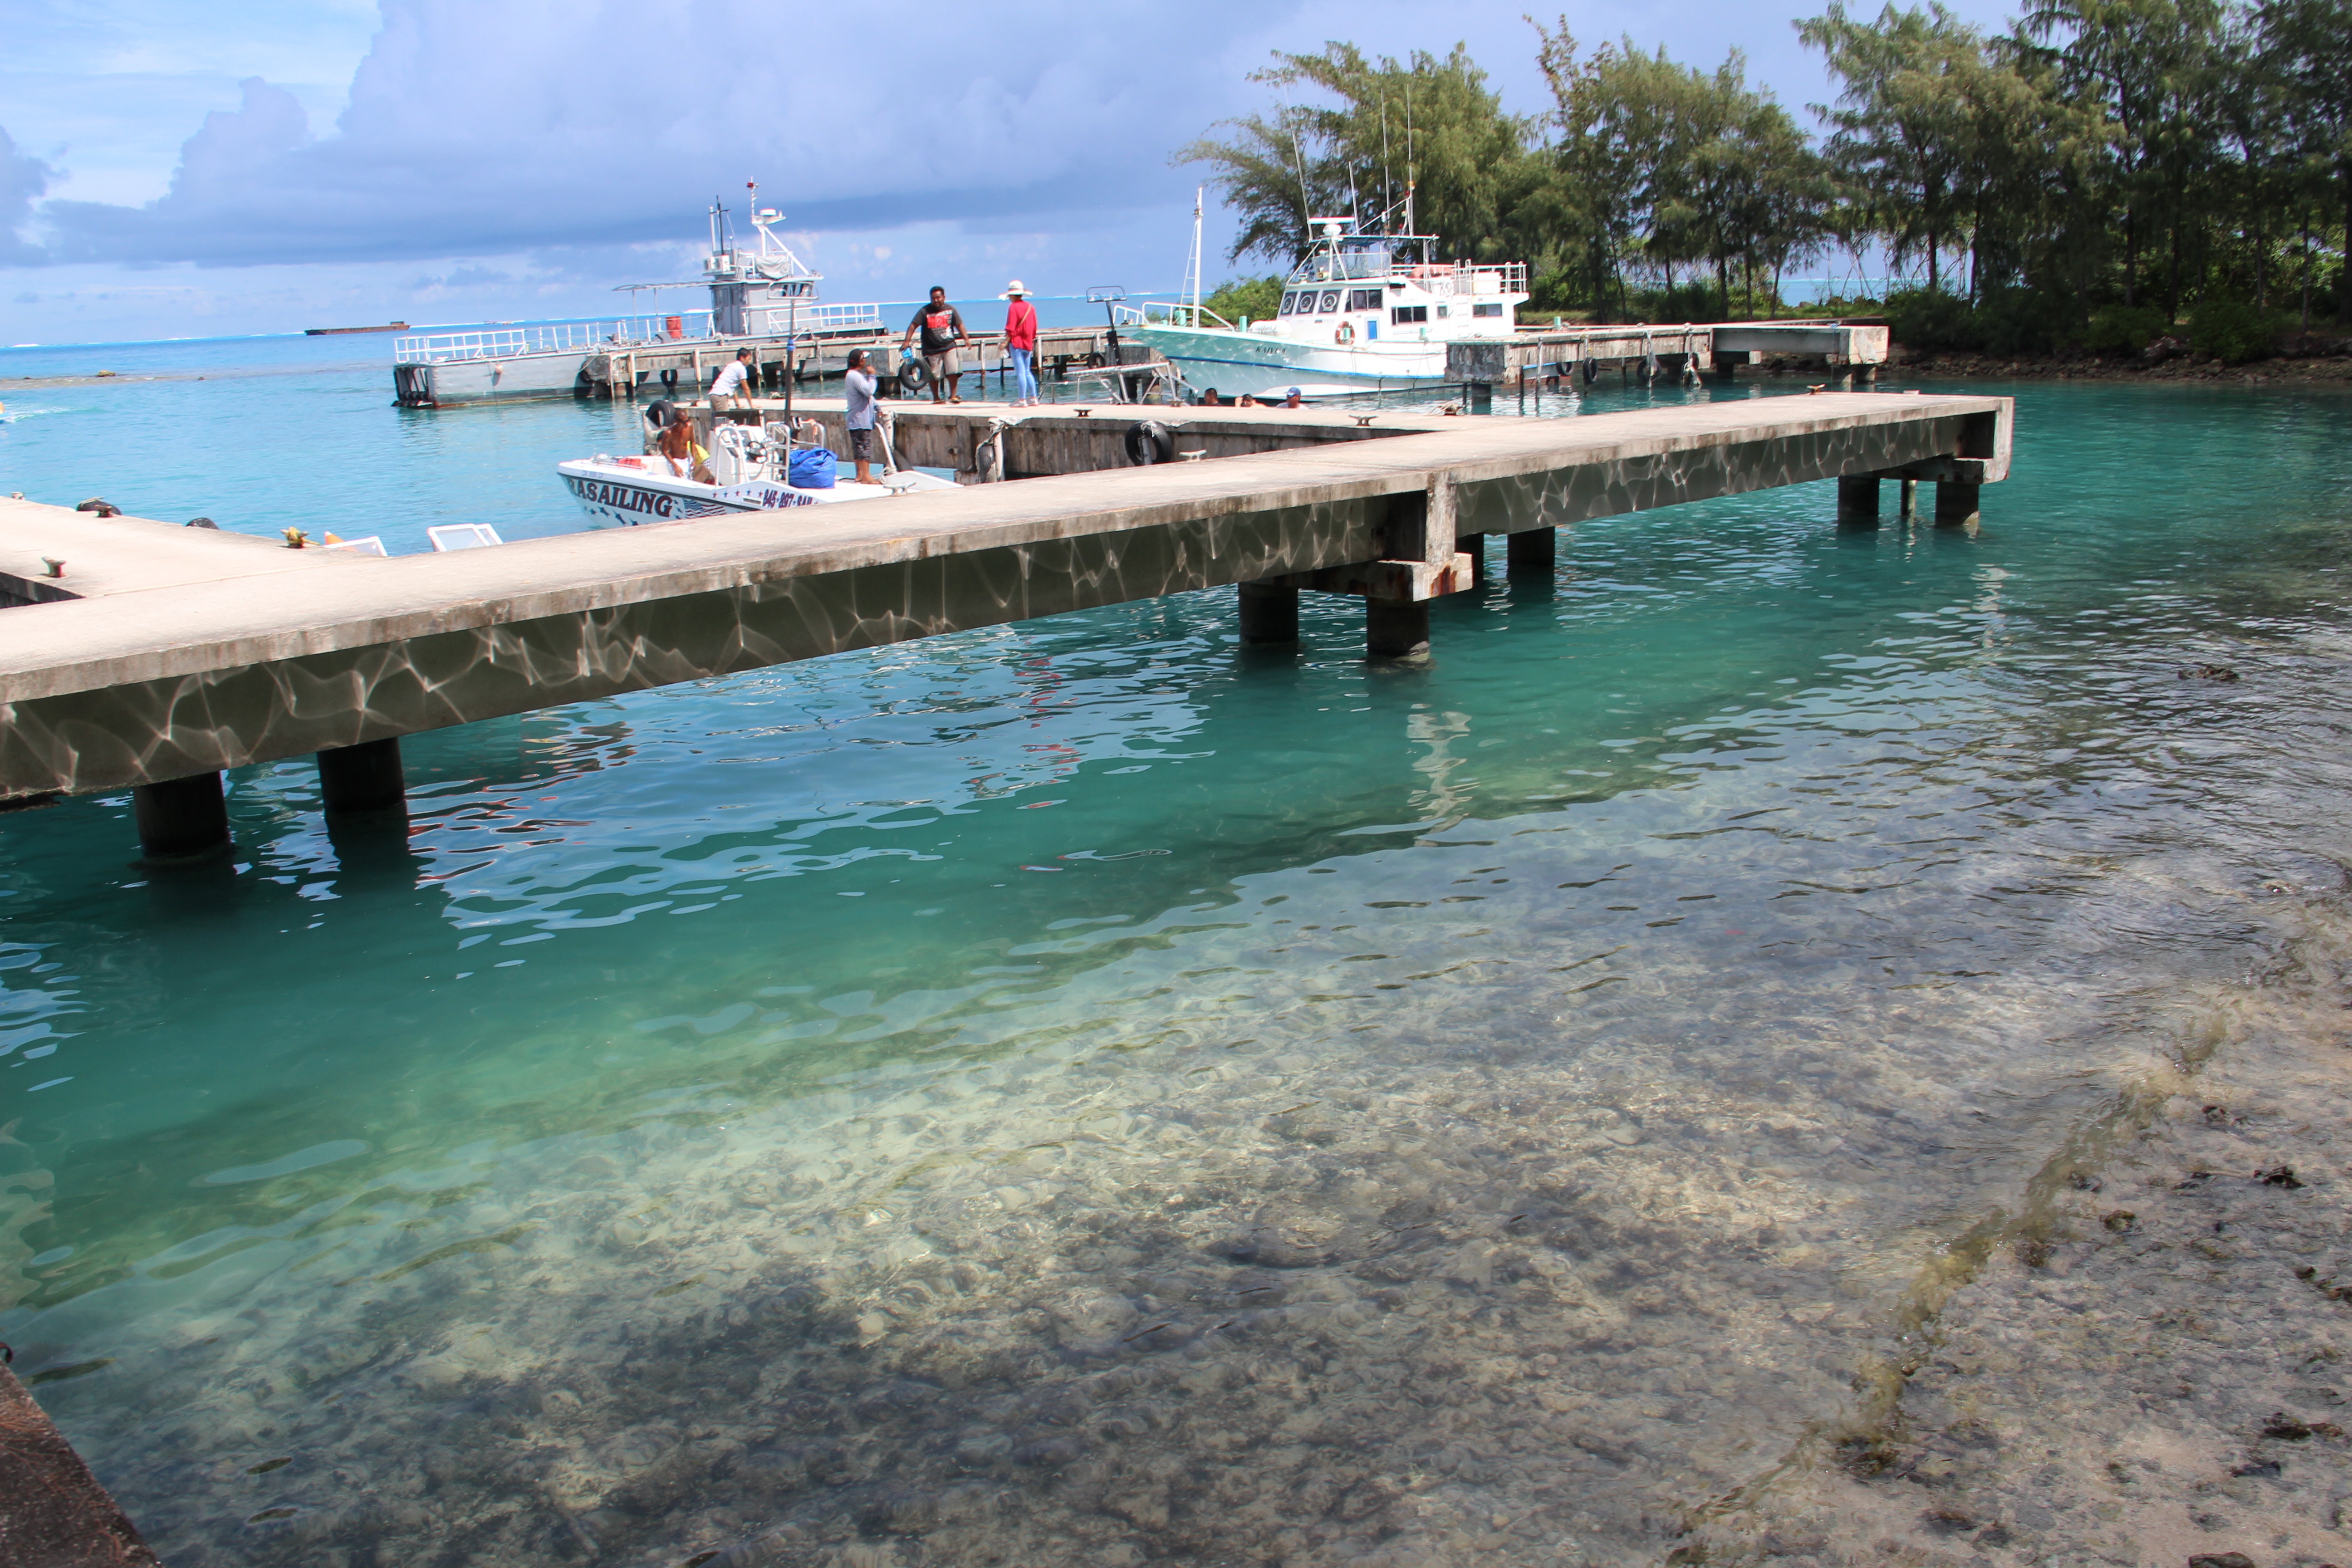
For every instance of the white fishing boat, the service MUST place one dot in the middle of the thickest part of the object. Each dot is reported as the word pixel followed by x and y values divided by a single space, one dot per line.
pixel 750 469
pixel 1367 311
pixel 759 297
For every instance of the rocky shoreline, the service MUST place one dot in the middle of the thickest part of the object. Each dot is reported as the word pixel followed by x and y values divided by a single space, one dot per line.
pixel 2152 1366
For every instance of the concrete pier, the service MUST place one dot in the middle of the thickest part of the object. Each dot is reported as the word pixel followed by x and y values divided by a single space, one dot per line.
pixel 362 779
pixel 185 652
pixel 53 1512
pixel 181 818
pixel 1269 613
pixel 1955 503
pixel 1857 502
pixel 1533 552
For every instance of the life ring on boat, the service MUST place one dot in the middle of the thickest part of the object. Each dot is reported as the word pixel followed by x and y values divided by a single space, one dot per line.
pixel 1147 441
pixel 1344 334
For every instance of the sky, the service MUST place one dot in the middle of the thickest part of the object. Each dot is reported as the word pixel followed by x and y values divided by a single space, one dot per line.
pixel 167 170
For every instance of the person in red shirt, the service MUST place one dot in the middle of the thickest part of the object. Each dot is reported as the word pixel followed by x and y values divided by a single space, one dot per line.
pixel 1021 343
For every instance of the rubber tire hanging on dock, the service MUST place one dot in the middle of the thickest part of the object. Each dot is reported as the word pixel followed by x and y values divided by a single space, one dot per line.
pixel 913 376
pixel 1149 442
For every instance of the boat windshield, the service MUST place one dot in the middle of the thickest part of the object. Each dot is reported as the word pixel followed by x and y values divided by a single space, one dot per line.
pixel 1358 255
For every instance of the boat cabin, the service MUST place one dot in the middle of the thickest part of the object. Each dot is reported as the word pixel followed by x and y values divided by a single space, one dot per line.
pixel 1373 287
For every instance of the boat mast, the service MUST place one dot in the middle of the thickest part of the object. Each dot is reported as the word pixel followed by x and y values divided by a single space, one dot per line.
pixel 1197 192
pixel 1409 181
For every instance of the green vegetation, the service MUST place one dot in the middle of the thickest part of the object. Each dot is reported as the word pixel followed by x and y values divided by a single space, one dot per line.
pixel 1256 298
pixel 2106 170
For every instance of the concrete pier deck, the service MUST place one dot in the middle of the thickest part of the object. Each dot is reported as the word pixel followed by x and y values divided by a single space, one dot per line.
pixel 183 654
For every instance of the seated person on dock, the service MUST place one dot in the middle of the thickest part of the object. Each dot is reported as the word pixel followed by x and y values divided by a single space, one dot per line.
pixel 727 387
pixel 1209 399
pixel 1296 400
pixel 1245 401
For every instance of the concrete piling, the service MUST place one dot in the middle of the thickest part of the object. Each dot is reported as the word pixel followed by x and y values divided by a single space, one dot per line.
pixel 1269 613
pixel 1910 512
pixel 1858 500
pixel 1955 503
pixel 1395 628
pixel 363 778
pixel 1532 552
pixel 1474 545
pixel 182 819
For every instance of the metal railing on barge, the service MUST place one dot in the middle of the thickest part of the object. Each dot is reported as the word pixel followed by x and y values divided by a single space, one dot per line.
pixel 623 333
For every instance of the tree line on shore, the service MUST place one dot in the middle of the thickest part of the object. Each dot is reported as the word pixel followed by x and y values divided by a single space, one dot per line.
pixel 2101 172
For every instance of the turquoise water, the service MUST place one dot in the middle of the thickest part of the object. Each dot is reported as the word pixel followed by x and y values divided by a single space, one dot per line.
pixel 1086 1090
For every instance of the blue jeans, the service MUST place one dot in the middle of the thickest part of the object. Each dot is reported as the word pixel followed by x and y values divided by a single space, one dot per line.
pixel 1025 373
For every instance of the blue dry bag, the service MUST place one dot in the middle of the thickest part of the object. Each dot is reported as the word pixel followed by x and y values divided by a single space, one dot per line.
pixel 811 469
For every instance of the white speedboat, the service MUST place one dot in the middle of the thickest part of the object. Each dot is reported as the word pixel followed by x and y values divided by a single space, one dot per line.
pixel 1367 311
pixel 750 469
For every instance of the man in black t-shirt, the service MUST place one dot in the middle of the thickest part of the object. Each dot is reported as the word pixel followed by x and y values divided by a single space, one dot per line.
pixel 942 329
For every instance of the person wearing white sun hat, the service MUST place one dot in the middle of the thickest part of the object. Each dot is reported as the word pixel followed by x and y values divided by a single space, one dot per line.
pixel 1021 343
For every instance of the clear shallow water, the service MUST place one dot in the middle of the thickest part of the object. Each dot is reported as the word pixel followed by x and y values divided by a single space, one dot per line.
pixel 1083 1091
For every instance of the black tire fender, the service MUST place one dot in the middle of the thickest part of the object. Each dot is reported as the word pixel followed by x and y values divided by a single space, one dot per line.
pixel 1147 442
pixel 659 413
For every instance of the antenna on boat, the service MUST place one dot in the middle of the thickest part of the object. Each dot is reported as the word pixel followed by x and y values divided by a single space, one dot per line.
pixel 1197 192
pixel 1410 178
pixel 1388 195
pixel 1306 202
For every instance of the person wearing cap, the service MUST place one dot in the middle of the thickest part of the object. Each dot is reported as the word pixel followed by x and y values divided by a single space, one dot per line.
pixel 1295 399
pixel 858 383
pixel 1021 343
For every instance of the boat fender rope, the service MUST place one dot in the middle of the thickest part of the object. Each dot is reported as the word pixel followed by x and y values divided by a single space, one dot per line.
pixel 1147 441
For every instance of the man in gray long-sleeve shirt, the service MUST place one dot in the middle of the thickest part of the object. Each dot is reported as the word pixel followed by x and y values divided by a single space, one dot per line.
pixel 858 384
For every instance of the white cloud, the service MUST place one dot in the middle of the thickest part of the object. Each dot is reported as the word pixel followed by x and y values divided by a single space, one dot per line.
pixel 570 145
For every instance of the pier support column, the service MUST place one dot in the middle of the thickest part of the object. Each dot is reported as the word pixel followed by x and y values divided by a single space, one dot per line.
pixel 1532 552
pixel 1269 613
pixel 180 819
pixel 1858 500
pixel 1474 545
pixel 363 778
pixel 1955 503
pixel 1910 501
pixel 1395 628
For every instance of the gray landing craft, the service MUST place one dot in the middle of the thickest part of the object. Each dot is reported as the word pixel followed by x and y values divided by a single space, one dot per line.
pixel 759 298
